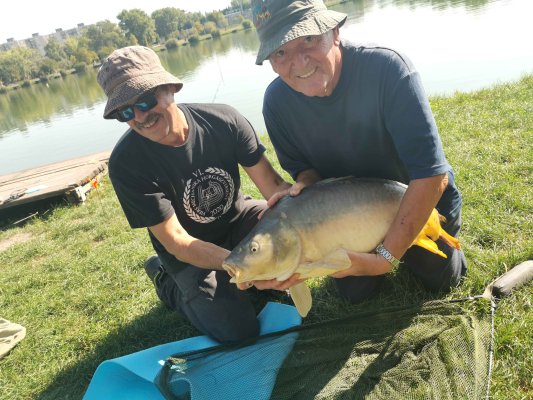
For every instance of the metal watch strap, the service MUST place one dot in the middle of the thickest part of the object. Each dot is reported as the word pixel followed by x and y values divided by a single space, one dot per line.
pixel 382 251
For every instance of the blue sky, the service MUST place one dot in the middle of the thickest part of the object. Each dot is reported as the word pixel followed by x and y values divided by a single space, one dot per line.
pixel 20 19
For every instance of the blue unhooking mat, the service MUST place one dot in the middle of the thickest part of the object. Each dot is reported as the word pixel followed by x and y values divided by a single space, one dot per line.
pixel 132 376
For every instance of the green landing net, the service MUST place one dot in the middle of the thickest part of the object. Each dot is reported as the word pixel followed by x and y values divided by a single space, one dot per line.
pixel 436 350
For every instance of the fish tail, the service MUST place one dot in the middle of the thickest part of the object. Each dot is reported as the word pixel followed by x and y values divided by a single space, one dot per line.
pixel 433 231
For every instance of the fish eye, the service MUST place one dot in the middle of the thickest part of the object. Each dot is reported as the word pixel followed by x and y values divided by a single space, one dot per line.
pixel 254 247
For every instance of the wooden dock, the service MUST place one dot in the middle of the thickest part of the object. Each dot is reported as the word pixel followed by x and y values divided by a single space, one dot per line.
pixel 71 178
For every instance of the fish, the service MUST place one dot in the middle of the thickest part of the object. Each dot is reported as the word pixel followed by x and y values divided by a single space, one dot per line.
pixel 310 234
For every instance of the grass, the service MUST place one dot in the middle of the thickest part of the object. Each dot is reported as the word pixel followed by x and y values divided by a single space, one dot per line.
pixel 73 276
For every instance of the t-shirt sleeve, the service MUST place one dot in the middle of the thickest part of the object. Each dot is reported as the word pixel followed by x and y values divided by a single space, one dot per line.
pixel 248 146
pixel 410 121
pixel 289 156
pixel 143 203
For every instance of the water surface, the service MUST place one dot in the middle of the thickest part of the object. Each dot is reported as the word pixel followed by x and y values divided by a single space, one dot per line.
pixel 457 45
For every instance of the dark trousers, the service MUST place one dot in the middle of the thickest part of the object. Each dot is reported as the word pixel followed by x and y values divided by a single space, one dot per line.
pixel 435 272
pixel 206 297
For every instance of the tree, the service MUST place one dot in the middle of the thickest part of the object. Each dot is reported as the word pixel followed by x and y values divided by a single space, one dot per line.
pixel 218 18
pixel 104 37
pixel 19 64
pixel 168 20
pixel 54 50
pixel 77 49
pixel 137 23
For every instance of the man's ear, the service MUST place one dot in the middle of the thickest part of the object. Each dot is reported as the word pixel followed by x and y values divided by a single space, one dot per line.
pixel 174 88
pixel 336 35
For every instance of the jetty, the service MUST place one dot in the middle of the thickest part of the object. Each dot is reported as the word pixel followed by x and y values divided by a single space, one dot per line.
pixel 72 178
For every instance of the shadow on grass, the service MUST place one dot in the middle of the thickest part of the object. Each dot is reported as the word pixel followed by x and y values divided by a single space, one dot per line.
pixel 19 215
pixel 161 325
pixel 156 327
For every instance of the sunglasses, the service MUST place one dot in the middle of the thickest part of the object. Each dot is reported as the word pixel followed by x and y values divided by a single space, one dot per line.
pixel 127 113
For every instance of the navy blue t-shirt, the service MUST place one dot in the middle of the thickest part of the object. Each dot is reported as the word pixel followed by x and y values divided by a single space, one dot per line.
pixel 377 123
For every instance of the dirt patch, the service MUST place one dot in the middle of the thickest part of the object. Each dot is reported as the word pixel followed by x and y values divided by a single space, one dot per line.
pixel 16 239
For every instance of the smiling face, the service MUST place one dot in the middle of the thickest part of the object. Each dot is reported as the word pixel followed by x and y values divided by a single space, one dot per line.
pixel 155 124
pixel 310 65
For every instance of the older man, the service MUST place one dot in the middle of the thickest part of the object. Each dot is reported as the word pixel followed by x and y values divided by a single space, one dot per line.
pixel 341 109
pixel 176 172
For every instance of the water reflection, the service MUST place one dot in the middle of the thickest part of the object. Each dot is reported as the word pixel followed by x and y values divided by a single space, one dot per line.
pixel 41 102
pixel 455 44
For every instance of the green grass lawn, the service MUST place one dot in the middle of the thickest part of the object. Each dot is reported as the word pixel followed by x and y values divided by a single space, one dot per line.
pixel 74 275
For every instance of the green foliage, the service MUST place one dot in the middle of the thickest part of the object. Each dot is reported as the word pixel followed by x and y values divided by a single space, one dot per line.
pixel 209 27
pixel 54 50
pixel 194 39
pixel 215 34
pixel 168 20
pixel 137 23
pixel 26 83
pixel 80 67
pixel 104 37
pixel 18 64
pixel 3 89
pixel 218 19
pixel 47 67
pixel 171 44
pixel 247 24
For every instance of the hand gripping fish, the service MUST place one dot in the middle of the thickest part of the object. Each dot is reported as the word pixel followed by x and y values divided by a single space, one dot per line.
pixel 310 234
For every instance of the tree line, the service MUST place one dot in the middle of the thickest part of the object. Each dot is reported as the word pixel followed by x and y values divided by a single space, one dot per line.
pixel 167 25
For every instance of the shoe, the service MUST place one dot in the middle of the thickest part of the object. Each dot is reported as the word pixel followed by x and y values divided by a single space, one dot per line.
pixel 153 269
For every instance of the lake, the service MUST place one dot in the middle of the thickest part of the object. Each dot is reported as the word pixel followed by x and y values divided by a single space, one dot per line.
pixel 457 45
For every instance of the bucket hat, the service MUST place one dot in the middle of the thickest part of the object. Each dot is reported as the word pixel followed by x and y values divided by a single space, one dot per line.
pixel 129 72
pixel 280 21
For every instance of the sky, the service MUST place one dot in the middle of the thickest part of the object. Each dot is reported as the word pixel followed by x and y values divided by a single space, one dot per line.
pixel 21 19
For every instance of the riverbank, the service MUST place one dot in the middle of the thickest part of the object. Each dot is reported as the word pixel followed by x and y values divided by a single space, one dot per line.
pixel 74 277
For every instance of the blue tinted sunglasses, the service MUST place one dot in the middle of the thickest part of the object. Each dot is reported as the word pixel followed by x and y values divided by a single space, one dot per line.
pixel 127 113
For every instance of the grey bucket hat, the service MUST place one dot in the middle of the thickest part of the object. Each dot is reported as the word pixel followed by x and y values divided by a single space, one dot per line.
pixel 128 73
pixel 280 21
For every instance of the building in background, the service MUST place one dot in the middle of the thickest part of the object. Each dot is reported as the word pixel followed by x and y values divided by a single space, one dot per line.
pixel 38 42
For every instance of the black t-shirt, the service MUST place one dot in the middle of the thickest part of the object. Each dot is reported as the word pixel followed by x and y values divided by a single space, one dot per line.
pixel 199 181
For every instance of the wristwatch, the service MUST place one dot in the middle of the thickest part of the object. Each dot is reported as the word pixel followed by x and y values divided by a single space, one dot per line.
pixel 382 251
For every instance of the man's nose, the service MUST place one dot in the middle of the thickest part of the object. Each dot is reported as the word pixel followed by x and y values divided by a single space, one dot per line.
pixel 300 58
pixel 139 114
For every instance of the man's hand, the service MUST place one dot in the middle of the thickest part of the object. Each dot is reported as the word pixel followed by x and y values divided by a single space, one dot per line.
pixel 274 284
pixel 294 190
pixel 365 264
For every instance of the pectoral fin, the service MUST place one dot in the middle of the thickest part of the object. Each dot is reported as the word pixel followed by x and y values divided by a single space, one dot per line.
pixel 301 296
pixel 335 261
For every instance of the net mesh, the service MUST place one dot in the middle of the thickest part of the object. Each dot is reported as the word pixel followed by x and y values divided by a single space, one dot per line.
pixel 437 350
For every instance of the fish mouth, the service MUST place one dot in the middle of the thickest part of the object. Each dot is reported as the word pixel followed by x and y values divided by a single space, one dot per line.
pixel 233 271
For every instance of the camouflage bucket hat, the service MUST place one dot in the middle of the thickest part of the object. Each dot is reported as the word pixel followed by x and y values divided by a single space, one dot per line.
pixel 280 21
pixel 130 72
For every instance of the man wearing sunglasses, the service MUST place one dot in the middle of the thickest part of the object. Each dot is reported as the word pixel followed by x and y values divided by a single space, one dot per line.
pixel 176 172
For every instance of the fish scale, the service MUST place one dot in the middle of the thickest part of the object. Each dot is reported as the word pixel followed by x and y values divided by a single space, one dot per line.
pixel 311 233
